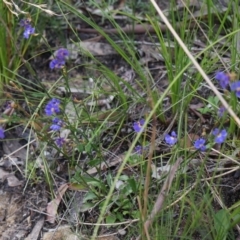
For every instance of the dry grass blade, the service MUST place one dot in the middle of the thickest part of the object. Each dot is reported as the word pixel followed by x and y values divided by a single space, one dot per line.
pixel 159 202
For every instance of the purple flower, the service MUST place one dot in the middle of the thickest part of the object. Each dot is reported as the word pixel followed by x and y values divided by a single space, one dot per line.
pixel 138 126
pixel 171 139
pixel 52 107
pixel 28 31
pixel 138 149
pixel 221 111
pixel 2 135
pixel 57 124
pixel 200 144
pixel 25 22
pixel 223 79
pixel 220 136
pixel 55 127
pixel 60 141
pixel 57 121
pixel 235 87
pixel 62 54
pixel 56 63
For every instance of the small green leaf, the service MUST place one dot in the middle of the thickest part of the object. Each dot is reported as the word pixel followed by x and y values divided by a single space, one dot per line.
pixel 204 110
pixel 119 216
pixel 133 184
pixel 127 190
pixel 80 147
pixel 235 215
pixel 123 177
pixel 222 224
pixel 213 100
pixel 111 218
pixel 88 148
pixel 89 196
pixel 87 206
pixel 109 179
pixel 125 212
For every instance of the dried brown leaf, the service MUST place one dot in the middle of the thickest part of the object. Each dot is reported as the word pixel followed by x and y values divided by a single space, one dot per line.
pixel 13 181
pixel 95 48
pixel 3 174
pixel 53 205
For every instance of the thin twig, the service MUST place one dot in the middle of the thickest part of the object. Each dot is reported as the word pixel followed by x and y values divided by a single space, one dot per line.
pixel 148 173
pixel 165 188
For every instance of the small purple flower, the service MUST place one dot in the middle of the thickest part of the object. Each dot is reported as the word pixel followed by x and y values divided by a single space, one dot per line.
pixel 138 149
pixel 171 139
pixel 235 87
pixel 138 126
pixel 55 127
pixel 56 63
pixel 220 136
pixel 2 135
pixel 57 121
pixel 221 111
pixel 223 79
pixel 200 144
pixel 57 124
pixel 52 107
pixel 29 30
pixel 25 22
pixel 62 54
pixel 60 141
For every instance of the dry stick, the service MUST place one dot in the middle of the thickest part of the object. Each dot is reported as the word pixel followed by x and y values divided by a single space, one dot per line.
pixel 195 63
pixel 142 217
pixel 148 174
pixel 143 27
pixel 159 202
pixel 140 207
pixel 138 29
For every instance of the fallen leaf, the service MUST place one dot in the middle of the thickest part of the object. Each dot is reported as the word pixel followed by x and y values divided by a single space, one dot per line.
pixel 196 106
pixel 70 111
pixel 3 174
pixel 103 166
pixel 61 232
pixel 151 54
pixel 36 230
pixel 53 205
pixel 95 48
pixel 158 172
pixel 13 181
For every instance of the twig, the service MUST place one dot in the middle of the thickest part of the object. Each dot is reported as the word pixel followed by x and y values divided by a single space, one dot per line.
pixel 159 202
pixel 148 173
pixel 138 29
